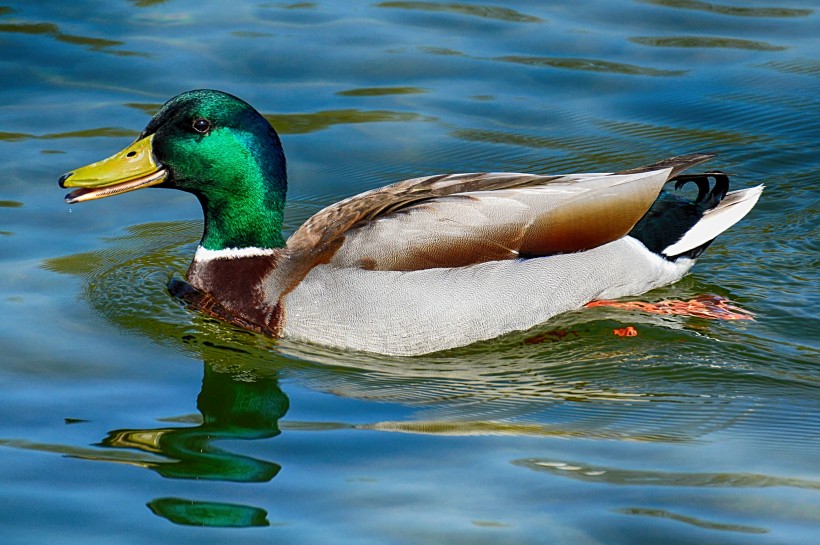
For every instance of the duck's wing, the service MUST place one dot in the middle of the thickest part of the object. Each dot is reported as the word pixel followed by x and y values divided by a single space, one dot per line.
pixel 325 229
pixel 463 219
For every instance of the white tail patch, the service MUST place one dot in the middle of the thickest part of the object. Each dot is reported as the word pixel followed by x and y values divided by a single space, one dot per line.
pixel 729 211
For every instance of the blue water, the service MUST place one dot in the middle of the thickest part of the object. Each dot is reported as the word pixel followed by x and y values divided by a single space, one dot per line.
pixel 126 418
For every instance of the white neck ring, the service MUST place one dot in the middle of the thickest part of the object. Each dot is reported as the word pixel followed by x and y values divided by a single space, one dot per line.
pixel 204 254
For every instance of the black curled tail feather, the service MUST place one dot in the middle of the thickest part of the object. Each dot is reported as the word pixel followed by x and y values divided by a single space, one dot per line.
pixel 705 195
pixel 672 216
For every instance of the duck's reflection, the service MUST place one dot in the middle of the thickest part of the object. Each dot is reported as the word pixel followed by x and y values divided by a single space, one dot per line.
pixel 207 513
pixel 230 409
pixel 233 405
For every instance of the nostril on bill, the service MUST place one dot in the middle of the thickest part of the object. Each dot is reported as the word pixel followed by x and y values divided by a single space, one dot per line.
pixel 64 177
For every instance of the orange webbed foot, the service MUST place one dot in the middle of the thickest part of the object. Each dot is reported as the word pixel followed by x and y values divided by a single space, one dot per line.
pixel 704 306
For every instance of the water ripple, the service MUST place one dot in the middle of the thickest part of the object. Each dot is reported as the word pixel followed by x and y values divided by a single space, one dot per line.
pixel 705 41
pixel 694 521
pixel 630 477
pixel 381 91
pixel 316 121
pixel 485 12
pixel 105 132
pixel 803 66
pixel 590 65
pixel 50 29
pixel 737 11
pixel 686 137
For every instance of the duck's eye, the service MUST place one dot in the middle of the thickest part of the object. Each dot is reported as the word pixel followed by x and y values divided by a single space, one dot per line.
pixel 202 125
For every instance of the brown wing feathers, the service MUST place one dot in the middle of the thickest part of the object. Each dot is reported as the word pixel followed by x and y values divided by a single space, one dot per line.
pixel 335 220
pixel 581 223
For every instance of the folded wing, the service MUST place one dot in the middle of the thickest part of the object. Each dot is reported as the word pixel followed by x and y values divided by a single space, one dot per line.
pixel 464 219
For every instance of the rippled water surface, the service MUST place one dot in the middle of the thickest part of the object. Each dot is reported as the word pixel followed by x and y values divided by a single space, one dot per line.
pixel 126 418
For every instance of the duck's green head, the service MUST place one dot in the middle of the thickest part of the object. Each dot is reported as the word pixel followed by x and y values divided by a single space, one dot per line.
pixel 213 145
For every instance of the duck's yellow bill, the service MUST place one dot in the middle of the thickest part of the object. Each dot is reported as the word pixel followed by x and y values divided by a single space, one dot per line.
pixel 132 168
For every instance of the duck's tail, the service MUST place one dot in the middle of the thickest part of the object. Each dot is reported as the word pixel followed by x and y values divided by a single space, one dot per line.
pixel 675 227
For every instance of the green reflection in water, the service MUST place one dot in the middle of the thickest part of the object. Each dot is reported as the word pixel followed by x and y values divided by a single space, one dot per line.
pixel 10 204
pixel 298 5
pixel 250 34
pixel 739 11
pixel 590 65
pixel 147 3
pixel 489 524
pixel 317 121
pixel 705 41
pixel 203 513
pixel 442 51
pixel 232 407
pixel 486 12
pixel 50 29
pixel 700 523
pixel 381 91
pixel 105 132
pixel 15 136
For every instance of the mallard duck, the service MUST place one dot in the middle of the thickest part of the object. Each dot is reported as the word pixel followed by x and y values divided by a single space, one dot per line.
pixel 419 266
